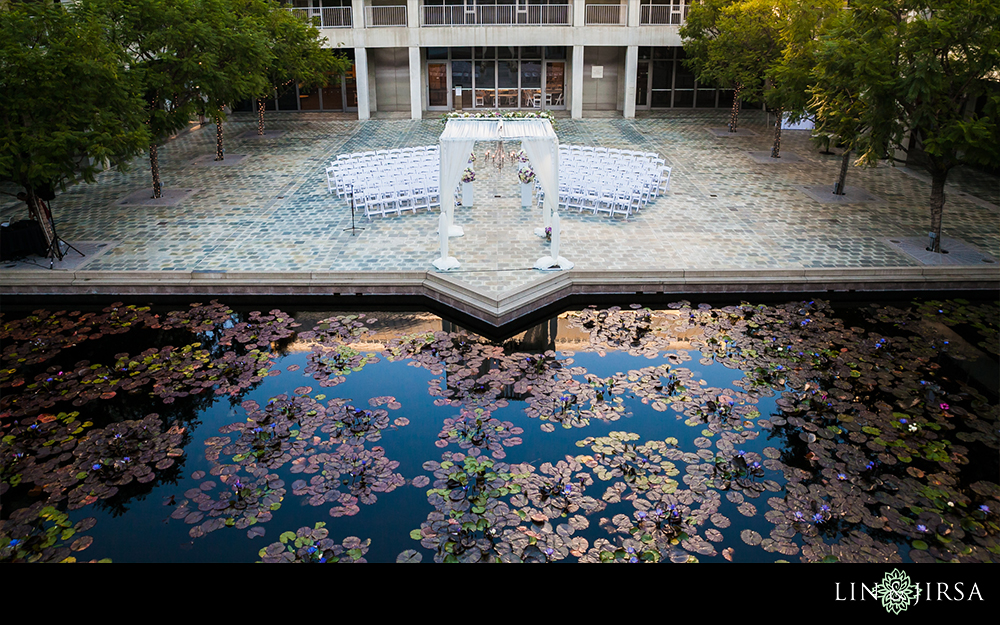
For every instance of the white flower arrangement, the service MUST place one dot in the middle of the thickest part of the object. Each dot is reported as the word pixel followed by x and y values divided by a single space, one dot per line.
pixel 468 175
pixel 500 115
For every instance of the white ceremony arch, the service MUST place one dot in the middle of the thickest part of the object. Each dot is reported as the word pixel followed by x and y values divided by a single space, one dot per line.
pixel 540 144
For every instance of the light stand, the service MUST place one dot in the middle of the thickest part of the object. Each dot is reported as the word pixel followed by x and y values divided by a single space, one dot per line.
pixel 44 195
pixel 353 227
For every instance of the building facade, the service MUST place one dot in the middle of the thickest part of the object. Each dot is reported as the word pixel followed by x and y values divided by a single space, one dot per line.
pixel 426 56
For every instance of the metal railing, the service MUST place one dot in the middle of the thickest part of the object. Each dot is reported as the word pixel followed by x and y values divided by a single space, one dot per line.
pixel 328 17
pixel 501 14
pixel 385 16
pixel 605 15
pixel 674 13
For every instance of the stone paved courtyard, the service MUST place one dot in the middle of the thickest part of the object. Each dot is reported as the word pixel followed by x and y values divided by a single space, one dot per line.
pixel 724 211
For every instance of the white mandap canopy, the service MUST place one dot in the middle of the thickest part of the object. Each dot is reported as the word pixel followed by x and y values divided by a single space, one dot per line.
pixel 542 148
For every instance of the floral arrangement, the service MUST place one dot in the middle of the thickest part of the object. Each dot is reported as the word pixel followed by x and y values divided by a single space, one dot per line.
pixel 526 174
pixel 522 157
pixel 472 157
pixel 500 115
pixel 548 233
pixel 468 175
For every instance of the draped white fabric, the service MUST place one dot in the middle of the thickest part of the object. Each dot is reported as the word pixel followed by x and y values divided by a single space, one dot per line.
pixel 539 142
pixel 544 156
pixel 454 158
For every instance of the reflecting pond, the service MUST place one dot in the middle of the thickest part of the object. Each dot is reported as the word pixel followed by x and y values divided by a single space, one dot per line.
pixel 807 431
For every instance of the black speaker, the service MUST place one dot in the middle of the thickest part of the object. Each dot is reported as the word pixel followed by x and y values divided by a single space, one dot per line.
pixel 22 238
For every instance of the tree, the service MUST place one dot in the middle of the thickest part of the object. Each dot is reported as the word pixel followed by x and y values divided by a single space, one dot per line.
pixel 296 54
pixel 795 73
pixel 245 53
pixel 734 43
pixel 68 104
pixel 179 48
pixel 894 67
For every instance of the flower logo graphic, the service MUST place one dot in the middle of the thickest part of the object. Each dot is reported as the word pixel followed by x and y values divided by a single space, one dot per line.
pixel 896 591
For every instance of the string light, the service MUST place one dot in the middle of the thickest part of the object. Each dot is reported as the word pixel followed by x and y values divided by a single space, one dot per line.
pixel 219 152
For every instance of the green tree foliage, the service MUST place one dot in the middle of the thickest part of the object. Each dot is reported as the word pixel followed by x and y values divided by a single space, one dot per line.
pixel 930 69
pixel 68 105
pixel 795 74
pixel 734 43
pixel 245 53
pixel 181 49
pixel 296 54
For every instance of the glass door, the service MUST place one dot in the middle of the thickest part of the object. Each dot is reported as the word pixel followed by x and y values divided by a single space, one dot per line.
pixel 437 85
pixel 642 85
pixel 555 84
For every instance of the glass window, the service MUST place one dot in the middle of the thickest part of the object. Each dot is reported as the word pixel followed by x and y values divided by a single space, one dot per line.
pixel 437 53
pixel 555 52
pixel 485 84
pixel 531 52
pixel 531 74
pixel 684 99
pixel 705 99
pixel 461 53
pixel 486 53
pixel 288 100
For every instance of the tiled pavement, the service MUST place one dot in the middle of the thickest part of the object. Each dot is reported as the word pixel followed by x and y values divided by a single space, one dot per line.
pixel 724 211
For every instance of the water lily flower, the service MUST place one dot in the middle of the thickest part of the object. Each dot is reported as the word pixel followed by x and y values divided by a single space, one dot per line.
pixel 945 406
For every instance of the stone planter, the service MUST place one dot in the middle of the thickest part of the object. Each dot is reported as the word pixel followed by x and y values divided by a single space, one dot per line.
pixel 467 194
pixel 526 188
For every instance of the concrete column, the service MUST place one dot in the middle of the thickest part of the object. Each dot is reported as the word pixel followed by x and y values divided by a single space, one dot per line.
pixel 358 13
pixel 361 75
pixel 416 94
pixel 631 69
pixel 579 13
pixel 576 104
pixel 413 14
pixel 633 13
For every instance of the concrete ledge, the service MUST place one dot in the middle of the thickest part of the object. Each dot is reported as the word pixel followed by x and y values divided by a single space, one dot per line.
pixel 447 290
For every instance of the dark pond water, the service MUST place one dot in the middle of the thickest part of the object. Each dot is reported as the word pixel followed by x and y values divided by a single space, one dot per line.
pixel 805 431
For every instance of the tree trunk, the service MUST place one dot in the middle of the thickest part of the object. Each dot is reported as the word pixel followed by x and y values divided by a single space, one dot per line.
pixel 220 153
pixel 260 116
pixel 838 189
pixel 776 148
pixel 736 108
pixel 938 177
pixel 154 166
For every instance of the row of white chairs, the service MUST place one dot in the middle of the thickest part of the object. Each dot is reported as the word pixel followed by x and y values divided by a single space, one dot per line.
pixel 609 180
pixel 347 169
pixel 381 196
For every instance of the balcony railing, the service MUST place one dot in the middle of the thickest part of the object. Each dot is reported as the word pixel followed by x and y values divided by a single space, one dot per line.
pixel 605 15
pixel 674 13
pixel 328 17
pixel 385 16
pixel 497 15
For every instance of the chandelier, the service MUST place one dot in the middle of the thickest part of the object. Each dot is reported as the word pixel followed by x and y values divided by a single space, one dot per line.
pixel 498 156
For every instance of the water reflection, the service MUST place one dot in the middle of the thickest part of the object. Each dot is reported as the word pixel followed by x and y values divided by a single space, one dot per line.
pixel 748 433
